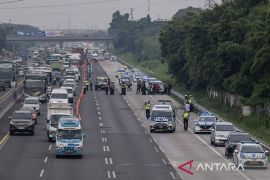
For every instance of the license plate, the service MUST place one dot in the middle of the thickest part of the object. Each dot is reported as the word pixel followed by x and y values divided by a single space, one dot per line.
pixel 253 162
pixel 21 127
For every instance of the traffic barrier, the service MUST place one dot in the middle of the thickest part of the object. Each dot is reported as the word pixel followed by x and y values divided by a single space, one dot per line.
pixel 200 108
pixel 81 94
pixel 10 98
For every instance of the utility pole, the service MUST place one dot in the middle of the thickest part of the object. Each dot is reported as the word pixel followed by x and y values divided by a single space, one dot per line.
pixel 131 14
pixel 209 4
pixel 148 7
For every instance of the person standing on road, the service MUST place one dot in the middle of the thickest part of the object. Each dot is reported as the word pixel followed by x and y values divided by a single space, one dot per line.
pixel 138 91
pixel 106 88
pixel 185 116
pixel 147 107
pixel 91 84
pixel 187 107
pixel 169 88
pixel 191 102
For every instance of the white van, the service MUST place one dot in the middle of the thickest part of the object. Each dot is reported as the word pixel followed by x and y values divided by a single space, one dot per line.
pixel 59 96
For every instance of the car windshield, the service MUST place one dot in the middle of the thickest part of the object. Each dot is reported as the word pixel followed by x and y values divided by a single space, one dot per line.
pixel 224 128
pixel 31 101
pixel 69 134
pixel 161 114
pixel 240 137
pixel 70 73
pixel 21 115
pixel 208 118
pixel 58 96
pixel 252 149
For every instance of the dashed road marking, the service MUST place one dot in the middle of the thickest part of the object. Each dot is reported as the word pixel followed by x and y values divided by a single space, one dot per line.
pixel 108 161
pixel 46 159
pixel 104 139
pixel 102 131
pixel 113 174
pixel 98 113
pixel 41 173
pixel 4 140
pixel 151 141
pixel 98 108
pixel 161 149
pixel 164 161
pixel 50 147
pixel 99 118
pixel 106 148
pixel 156 149
pixel 101 124
pixel 172 175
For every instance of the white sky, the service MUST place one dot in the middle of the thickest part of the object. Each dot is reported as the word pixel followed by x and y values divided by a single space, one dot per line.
pixel 86 14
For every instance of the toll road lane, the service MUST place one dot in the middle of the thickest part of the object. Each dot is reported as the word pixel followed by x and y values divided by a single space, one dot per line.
pixel 131 155
pixel 181 146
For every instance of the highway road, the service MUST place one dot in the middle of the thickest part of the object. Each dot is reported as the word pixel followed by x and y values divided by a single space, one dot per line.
pixel 182 146
pixel 116 146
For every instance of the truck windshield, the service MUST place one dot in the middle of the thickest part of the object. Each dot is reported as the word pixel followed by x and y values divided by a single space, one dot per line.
pixel 34 83
pixel 69 134
pixel 55 119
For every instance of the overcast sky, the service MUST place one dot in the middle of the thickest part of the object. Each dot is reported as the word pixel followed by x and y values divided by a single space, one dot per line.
pixel 86 14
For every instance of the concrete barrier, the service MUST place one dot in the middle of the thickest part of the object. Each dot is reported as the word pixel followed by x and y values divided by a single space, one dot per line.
pixel 10 98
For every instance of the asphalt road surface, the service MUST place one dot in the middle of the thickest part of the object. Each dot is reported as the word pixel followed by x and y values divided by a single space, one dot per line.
pixel 181 146
pixel 117 146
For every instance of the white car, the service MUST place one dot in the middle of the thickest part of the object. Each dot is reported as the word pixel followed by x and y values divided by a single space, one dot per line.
pixel 249 154
pixel 220 132
pixel 70 93
pixel 204 123
pixel 59 96
pixel 32 102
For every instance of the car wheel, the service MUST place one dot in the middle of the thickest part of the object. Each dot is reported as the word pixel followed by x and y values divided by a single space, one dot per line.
pixel 32 133
pixel 152 130
pixel 11 133
pixel 211 142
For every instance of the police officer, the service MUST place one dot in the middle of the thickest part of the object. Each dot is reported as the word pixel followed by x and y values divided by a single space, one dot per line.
pixel 86 84
pixel 147 107
pixel 91 85
pixel 185 116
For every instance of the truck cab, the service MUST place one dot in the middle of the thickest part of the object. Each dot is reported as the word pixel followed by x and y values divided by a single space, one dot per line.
pixel 163 117
pixel 55 112
pixel 69 137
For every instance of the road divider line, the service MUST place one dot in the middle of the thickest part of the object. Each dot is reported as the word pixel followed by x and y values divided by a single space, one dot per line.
pixel 172 175
pixel 114 174
pixel 99 118
pixel 46 159
pixel 156 149
pixel 4 140
pixel 41 173
pixel 111 161
pixel 164 161
pixel 50 147
pixel 101 124
pixel 151 141
pixel 109 174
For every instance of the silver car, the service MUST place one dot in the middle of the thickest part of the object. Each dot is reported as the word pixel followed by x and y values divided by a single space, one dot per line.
pixel 220 132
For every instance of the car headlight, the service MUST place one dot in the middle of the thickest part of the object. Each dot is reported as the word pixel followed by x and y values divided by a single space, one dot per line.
pixel 170 122
pixel 30 123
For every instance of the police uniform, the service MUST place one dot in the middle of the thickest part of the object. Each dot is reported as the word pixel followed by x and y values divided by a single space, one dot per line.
pixel 185 116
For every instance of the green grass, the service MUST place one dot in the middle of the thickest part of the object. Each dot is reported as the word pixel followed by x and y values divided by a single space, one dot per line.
pixel 254 125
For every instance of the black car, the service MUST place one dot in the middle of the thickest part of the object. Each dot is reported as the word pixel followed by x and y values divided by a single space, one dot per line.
pixel 22 121
pixel 233 140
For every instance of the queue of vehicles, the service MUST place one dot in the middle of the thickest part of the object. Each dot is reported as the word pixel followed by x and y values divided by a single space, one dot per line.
pixel 245 151
pixel 41 87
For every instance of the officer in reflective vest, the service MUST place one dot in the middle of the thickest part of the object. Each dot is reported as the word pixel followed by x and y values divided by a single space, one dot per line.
pixel 185 116
pixel 147 107
pixel 86 84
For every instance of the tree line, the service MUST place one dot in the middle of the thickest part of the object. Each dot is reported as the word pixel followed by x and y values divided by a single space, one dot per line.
pixel 226 48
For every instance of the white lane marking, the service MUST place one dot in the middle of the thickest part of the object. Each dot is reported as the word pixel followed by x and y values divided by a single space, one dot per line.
pixel 41 173
pixel 97 104
pixel 3 141
pixel 98 113
pixel 102 131
pixel 98 108
pixel 111 162
pixel 145 132
pixel 46 159
pixel 156 149
pixel 113 174
pixel 153 98
pixel 104 139
pixel 104 148
pixel 50 147
pixel 109 174
pixel 151 141
pixel 101 124
pixel 162 150
pixel 129 105
pixel 108 148
pixel 99 118
pixel 143 125
pixel 172 175
pixel 164 161
pixel 106 161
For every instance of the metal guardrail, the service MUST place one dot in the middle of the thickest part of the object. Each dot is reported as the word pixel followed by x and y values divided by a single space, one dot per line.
pixel 200 108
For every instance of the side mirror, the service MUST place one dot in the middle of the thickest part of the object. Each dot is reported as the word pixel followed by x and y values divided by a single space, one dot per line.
pixel 266 153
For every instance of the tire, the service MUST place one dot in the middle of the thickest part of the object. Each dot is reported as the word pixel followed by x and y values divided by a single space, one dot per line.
pixel 211 142
pixel 152 130
pixel 32 133
pixel 11 133
pixel 57 156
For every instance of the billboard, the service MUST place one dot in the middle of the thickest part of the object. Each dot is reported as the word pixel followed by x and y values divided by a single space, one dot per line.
pixel 38 33
pixel 20 33
pixel 54 33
